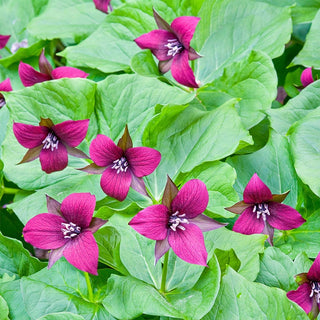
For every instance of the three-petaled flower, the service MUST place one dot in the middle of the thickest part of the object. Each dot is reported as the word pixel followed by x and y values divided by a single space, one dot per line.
pixel 178 222
pixel 171 46
pixel 261 211
pixel 67 230
pixel 103 5
pixel 4 86
pixel 121 165
pixel 307 296
pixel 29 76
pixel 51 143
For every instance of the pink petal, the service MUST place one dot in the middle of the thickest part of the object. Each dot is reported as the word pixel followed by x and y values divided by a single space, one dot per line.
pixel 29 136
pixel 3 41
pixel 71 132
pixel 78 208
pixel 115 184
pixel 192 199
pixel 156 41
pixel 205 223
pixel 256 191
pixel 248 223
pixel 83 252
pixel 161 247
pixel 96 224
pixel 301 296
pixel 29 76
pixel 284 217
pixel 44 231
pixel 68 72
pixel 151 222
pixel 142 160
pixel 181 71
pixel 55 160
pixel 53 206
pixel 306 77
pixel 184 27
pixel 6 85
pixel 44 65
pixel 314 272
pixel 104 151
pixel 189 244
pixel 102 5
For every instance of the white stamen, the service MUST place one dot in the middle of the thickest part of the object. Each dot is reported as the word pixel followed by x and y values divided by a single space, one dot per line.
pixel 262 210
pixel 121 165
pixel 175 220
pixel 70 230
pixel 174 47
pixel 51 141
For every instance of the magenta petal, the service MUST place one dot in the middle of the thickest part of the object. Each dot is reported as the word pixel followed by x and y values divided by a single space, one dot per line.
pixel 29 136
pixel 181 71
pixel 284 217
pixel 104 151
pixel 102 5
pixel 301 296
pixel 314 272
pixel 6 85
pixel 256 191
pixel 189 244
pixel 248 223
pixel 56 254
pixel 151 222
pixel 3 41
pixel 78 208
pixel 142 160
pixel 184 27
pixel 44 231
pixel 115 184
pixel 306 77
pixel 29 76
pixel 68 72
pixel 55 160
pixel 192 199
pixel 71 132
pixel 205 223
pixel 161 247
pixel 83 252
pixel 156 41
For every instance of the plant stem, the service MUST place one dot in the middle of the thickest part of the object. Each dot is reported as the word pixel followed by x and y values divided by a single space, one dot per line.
pixel 90 292
pixel 10 190
pixel 164 272
pixel 8 49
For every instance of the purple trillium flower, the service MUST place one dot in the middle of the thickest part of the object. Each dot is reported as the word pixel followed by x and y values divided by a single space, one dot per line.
pixel 261 211
pixel 306 77
pixel 307 296
pixel 52 143
pixel 121 165
pixel 67 230
pixel 171 46
pixel 103 5
pixel 29 76
pixel 4 86
pixel 178 222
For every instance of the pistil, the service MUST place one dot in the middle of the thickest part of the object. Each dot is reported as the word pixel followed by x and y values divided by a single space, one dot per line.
pixel 175 220
pixel 121 165
pixel 70 230
pixel 174 47
pixel 51 141
pixel 261 209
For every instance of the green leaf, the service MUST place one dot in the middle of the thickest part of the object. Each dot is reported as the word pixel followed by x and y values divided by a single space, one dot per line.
pixel 227 258
pixel 15 260
pixel 189 136
pixel 60 289
pixel 127 297
pixel 126 99
pixel 252 80
pixel 297 108
pixel 60 100
pixel 143 63
pixel 239 298
pixel 305 147
pixel 273 164
pixel 4 310
pixel 75 19
pixel 61 316
pixel 229 30
pixel 219 178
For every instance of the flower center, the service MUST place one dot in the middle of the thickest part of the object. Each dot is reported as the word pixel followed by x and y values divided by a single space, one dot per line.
pixel 2 101
pixel 175 220
pixel 121 165
pixel 262 210
pixel 51 141
pixel 315 291
pixel 70 230
pixel 174 47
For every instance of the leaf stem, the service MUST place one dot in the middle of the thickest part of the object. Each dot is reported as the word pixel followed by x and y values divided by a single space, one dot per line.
pixel 10 190
pixel 8 49
pixel 164 273
pixel 90 292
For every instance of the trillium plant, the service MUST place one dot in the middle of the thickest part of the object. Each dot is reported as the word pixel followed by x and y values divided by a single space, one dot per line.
pixel 159 160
